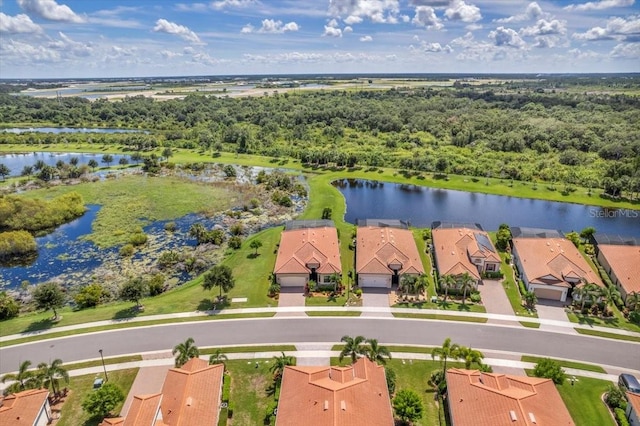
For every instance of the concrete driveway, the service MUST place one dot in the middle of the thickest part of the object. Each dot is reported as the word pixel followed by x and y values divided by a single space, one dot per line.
pixel 291 297
pixel 494 298
pixel 554 311
pixel 376 298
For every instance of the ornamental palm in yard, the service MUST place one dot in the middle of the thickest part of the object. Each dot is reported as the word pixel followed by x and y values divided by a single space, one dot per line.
pixel 376 352
pixel 469 356
pixel 353 347
pixel 22 380
pixel 446 351
pixel 466 283
pixel 51 374
pixel 446 282
pixel 185 351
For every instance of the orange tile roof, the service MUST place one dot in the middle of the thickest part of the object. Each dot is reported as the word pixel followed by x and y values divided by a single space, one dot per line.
pixel 335 396
pixel 300 247
pixel 192 393
pixel 22 408
pixel 549 260
pixel 377 248
pixel 144 410
pixel 634 400
pixel 486 399
pixel 625 263
pixel 453 246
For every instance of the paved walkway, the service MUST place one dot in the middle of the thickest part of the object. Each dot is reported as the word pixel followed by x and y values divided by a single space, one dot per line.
pixel 495 300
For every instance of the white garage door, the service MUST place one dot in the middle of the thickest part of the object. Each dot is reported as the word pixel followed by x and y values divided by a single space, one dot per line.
pixel 374 281
pixel 547 293
pixel 292 281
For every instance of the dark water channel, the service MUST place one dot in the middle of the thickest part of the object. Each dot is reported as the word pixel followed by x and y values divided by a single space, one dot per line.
pixel 16 162
pixel 421 206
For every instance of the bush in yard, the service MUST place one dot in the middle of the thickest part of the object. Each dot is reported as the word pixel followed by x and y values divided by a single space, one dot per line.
pixel 9 308
pixel 615 397
pixel 408 406
pixel 391 380
pixel 621 417
pixel 90 296
pixel 549 369
pixel 475 297
pixel 270 413
pixel 101 402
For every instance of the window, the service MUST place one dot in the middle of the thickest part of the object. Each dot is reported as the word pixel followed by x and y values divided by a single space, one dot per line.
pixel 326 279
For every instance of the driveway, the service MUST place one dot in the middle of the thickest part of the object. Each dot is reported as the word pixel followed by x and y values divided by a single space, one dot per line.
pixel 495 299
pixel 291 297
pixel 149 380
pixel 376 298
pixel 553 311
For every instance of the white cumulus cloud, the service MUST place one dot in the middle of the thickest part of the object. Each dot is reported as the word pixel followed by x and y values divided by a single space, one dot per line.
pixel 366 38
pixel 461 11
pixel 506 37
pixel 164 26
pixel 49 9
pixel 621 29
pixel 354 11
pixel 533 11
pixel 237 4
pixel 18 24
pixel 426 17
pixel 544 27
pixel 600 5
pixel 271 26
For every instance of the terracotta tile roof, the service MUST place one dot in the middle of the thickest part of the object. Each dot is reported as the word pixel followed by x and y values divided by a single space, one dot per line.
pixel 377 248
pixel 486 399
pixel 625 263
pixel 144 410
pixel 22 408
pixel 549 260
pixel 192 393
pixel 302 247
pixel 335 396
pixel 634 400
pixel 453 246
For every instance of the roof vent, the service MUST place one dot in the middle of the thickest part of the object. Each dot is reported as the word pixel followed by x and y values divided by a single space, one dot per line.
pixel 189 401
pixel 513 416
pixel 532 418
pixel 343 405
pixel 326 405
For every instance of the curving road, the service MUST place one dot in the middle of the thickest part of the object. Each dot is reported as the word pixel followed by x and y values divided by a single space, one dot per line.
pixel 296 330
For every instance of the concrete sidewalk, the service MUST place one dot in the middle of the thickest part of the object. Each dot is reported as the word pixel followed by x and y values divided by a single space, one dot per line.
pixel 383 312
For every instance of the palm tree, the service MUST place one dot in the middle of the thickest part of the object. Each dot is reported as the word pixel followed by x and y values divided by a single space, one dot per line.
pixel 446 351
pixel 407 283
pixel 23 379
pixel 277 368
pixel 336 279
pixel 466 282
pixel 530 299
pixel 470 356
pixel 50 375
pixel 633 301
pixel 218 357
pixel 421 286
pixel 446 282
pixel 185 351
pixel 377 353
pixel 610 295
pixel 353 347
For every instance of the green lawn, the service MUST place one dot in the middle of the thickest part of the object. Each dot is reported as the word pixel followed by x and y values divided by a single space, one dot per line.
pixel 566 364
pixel 616 321
pixel 249 349
pixel 325 300
pixel 440 317
pixel 530 324
pixel 511 288
pixel 584 403
pixel 249 390
pixel 72 413
pixel 449 305
pixel 107 361
pixel 599 333
pixel 333 314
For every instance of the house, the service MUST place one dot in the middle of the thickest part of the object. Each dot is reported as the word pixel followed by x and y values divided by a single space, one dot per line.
pixel 335 396
pixel 307 253
pixel 633 408
pixel 620 258
pixel 190 394
pixel 26 408
pixel 550 265
pixel 384 254
pixel 488 399
pixel 460 250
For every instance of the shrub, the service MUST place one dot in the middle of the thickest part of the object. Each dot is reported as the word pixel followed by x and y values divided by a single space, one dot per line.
pixel 391 380
pixel 274 289
pixel 522 288
pixel 475 297
pixel 90 296
pixel 237 228
pixel 226 387
pixel 138 239
pixel 170 226
pixel 549 369
pixel 493 275
pixel 235 242
pixel 621 417
pixel 9 308
pixel 229 171
pixel 358 292
pixel 615 397
pixel 270 412
pixel 127 250
pixel 17 243
pixel 102 401
pixel 156 284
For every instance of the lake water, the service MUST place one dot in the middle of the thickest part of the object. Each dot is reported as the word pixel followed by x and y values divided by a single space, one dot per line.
pixel 421 206
pixel 16 162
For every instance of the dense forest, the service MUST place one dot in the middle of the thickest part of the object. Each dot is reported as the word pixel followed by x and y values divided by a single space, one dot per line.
pixel 559 136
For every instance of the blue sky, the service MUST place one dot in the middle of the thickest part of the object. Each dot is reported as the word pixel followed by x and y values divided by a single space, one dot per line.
pixel 120 38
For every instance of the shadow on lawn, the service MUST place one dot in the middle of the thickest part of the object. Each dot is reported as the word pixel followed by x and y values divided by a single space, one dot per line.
pixel 253 255
pixel 43 324
pixel 127 313
pixel 214 304
pixel 590 321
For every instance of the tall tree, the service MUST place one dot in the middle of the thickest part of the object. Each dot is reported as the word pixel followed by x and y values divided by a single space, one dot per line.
pixel 446 282
pixel 184 351
pixel 108 159
pixel 530 299
pixel 610 295
pixel 447 351
pixel 133 290
pixel 278 365
pixel 218 357
pixel 353 347
pixel 470 356
pixel 51 374
pixel 219 276
pixel 255 244
pixel 4 170
pixel 408 406
pixel 49 296
pixel 93 164
pixel 101 402
pixel 22 380
pixel 466 283
pixel 377 353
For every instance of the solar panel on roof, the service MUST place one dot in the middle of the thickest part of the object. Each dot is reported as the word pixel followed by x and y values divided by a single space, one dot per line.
pixel 483 241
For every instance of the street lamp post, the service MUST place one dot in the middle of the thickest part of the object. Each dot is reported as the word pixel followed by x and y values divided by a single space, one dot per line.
pixel 106 378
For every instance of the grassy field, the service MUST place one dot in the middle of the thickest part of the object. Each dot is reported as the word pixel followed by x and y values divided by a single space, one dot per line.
pixel 606 335
pixel 248 390
pixel 325 300
pixel 449 305
pixel 107 361
pixel 584 403
pixel 616 321
pixel 333 314
pixel 440 317
pixel 130 202
pixel 566 364
pixel 72 413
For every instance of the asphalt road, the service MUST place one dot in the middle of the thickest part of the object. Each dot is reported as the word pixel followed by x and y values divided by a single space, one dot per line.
pixel 294 330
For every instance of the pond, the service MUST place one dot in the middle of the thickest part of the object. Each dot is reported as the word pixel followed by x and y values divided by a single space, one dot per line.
pixel 16 162
pixel 422 205
pixel 66 252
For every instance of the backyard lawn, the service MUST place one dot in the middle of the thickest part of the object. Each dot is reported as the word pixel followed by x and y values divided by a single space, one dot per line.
pixel 249 385
pixel 584 403
pixel 72 413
